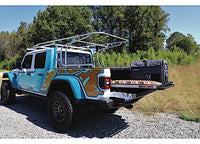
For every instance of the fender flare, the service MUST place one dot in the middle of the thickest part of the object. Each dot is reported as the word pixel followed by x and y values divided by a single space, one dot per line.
pixel 74 83
pixel 12 78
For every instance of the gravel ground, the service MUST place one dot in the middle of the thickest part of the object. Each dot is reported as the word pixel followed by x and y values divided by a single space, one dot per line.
pixel 28 119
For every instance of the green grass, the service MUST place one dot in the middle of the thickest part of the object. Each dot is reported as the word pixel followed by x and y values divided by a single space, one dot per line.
pixel 189 117
pixel 182 99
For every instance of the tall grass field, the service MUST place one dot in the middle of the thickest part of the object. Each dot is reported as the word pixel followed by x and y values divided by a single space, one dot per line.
pixel 183 98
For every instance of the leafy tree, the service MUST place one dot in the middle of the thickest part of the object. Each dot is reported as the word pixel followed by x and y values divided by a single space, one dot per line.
pixel 2 51
pixel 3 44
pixel 95 21
pixel 112 19
pixel 185 43
pixel 8 45
pixel 58 22
pixel 13 44
pixel 23 34
pixel 174 39
pixel 145 27
pixel 108 19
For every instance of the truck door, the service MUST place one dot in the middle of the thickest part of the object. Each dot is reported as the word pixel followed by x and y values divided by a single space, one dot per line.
pixel 37 77
pixel 25 73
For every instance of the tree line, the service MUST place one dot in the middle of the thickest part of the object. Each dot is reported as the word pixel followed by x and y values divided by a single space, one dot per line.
pixel 144 26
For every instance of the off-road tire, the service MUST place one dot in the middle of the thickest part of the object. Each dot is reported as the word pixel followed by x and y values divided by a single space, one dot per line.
pixel 7 93
pixel 62 111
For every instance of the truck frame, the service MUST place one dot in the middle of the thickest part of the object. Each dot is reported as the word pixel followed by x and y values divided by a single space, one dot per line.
pixel 63 71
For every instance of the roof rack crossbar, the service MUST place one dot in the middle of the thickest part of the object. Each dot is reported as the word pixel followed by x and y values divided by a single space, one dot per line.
pixel 83 40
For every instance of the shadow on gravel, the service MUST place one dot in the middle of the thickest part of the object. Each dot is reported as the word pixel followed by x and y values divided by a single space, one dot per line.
pixel 91 123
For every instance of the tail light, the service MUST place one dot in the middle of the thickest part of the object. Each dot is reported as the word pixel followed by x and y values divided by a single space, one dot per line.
pixel 105 82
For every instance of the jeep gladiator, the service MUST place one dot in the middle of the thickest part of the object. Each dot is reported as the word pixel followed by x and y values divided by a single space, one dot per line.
pixel 66 75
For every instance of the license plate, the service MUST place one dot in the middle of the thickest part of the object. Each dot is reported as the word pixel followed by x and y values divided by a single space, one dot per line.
pixel 127 97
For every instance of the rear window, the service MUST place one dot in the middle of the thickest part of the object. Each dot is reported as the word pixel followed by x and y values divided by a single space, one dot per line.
pixel 40 60
pixel 75 58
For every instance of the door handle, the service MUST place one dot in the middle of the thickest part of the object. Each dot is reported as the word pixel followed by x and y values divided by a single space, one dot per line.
pixel 28 73
pixel 40 75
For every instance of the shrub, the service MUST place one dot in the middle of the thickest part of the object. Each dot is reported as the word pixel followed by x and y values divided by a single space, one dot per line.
pixel 5 65
pixel 9 65
pixel 175 57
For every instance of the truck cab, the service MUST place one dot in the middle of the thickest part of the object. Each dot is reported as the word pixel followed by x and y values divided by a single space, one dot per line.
pixel 35 64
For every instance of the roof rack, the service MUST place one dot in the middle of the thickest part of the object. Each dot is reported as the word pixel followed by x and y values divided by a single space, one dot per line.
pixel 82 42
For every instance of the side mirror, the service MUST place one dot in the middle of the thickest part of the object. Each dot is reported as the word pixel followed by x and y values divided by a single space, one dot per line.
pixel 18 65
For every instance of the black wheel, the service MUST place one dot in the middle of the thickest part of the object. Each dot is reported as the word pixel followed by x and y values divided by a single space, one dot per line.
pixel 62 111
pixel 7 93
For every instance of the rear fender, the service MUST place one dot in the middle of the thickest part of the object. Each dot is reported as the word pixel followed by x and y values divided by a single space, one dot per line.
pixel 74 82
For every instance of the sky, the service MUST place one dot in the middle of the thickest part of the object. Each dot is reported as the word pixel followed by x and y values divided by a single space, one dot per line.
pixel 184 19
pixel 11 16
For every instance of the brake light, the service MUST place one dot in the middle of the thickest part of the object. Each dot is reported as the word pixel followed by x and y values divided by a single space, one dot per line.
pixel 105 82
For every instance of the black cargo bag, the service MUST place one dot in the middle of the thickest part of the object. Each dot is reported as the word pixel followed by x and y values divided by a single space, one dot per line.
pixel 154 70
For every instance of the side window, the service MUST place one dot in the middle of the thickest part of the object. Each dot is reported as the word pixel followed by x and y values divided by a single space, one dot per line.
pixel 40 60
pixel 27 61
pixel 73 58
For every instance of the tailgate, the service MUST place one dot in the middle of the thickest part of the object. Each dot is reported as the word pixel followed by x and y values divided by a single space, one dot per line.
pixel 140 84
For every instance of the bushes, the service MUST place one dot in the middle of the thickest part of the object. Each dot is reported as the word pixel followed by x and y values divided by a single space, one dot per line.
pixel 175 57
pixel 4 65
pixel 9 65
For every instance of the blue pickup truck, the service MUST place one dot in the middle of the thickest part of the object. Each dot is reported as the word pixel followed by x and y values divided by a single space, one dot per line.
pixel 64 72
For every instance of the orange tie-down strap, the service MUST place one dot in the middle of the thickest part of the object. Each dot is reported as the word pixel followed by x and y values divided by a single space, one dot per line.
pixel 137 82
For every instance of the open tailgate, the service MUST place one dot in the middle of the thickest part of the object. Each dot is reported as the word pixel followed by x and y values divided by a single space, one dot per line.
pixel 140 84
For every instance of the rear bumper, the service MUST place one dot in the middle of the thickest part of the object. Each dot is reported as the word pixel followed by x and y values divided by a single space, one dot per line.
pixel 105 104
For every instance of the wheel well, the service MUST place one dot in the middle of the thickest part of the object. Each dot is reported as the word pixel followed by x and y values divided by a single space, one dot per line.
pixel 5 75
pixel 62 86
